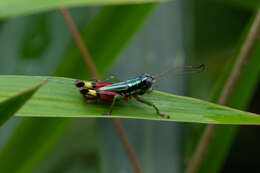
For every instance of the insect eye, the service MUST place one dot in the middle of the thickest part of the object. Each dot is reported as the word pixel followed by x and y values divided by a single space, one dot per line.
pixel 149 82
pixel 79 83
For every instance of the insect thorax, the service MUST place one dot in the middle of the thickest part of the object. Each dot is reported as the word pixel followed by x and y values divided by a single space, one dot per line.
pixel 139 85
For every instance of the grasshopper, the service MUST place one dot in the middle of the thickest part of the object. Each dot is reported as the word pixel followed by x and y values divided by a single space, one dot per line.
pixel 113 92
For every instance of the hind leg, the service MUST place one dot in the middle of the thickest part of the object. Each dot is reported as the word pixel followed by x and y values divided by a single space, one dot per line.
pixel 91 85
pixel 151 104
pixel 116 98
pixel 87 95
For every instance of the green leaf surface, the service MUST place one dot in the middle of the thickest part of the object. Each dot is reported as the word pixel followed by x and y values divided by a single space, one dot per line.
pixel 60 98
pixel 11 8
pixel 11 105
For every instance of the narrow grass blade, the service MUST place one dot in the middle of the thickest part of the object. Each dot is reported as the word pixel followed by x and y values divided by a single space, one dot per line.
pixel 60 98
pixel 12 104
pixel 11 8
pixel 224 136
pixel 18 155
pixel 105 47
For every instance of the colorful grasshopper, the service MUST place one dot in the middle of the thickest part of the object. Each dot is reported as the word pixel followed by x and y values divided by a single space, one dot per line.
pixel 112 92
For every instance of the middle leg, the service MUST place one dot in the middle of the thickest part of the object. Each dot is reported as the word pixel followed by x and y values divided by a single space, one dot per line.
pixel 116 98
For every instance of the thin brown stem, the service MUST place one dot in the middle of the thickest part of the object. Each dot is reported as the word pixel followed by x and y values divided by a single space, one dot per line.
pixel 127 145
pixel 83 49
pixel 242 60
pixel 94 73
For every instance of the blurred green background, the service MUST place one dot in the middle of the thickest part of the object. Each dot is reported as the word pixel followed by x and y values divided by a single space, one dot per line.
pixel 126 41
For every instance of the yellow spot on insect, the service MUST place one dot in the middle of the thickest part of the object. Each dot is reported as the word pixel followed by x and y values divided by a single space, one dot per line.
pixel 92 92
pixel 154 81
pixel 88 85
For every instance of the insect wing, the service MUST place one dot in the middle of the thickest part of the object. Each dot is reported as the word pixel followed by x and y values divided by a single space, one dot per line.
pixel 117 87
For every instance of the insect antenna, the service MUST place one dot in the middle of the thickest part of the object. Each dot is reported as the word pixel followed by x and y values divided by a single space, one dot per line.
pixel 192 70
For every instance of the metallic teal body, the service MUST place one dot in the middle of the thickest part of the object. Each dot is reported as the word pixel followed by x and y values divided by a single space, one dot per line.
pixel 134 86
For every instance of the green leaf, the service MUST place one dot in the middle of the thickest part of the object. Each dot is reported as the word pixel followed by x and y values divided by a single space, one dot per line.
pixel 11 8
pixel 12 104
pixel 60 98
pixel 47 131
